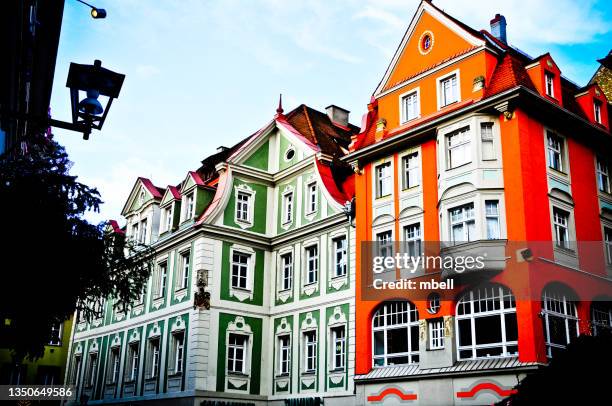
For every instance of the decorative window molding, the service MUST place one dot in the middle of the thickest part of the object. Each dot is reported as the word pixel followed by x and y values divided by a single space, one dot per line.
pixel 289 153
pixel 410 105
pixel 238 344
pixel 245 205
pixel 241 286
pixel 287 206
pixel 448 88
pixel 311 266
pixel 311 197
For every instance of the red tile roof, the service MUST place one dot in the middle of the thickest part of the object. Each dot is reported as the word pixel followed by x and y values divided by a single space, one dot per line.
pixel 175 192
pixel 154 190
pixel 509 73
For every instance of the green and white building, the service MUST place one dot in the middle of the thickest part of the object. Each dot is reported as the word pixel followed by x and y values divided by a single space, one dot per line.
pixel 252 296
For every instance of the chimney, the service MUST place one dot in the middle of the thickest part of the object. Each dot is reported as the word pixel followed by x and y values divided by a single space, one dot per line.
pixel 338 115
pixel 498 28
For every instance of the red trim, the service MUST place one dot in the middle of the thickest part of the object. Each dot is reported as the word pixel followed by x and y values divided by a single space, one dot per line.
pixel 390 392
pixel 175 192
pixel 486 386
pixel 150 187
pixel 196 177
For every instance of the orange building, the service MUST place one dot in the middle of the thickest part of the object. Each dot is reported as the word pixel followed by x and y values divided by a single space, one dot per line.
pixel 470 146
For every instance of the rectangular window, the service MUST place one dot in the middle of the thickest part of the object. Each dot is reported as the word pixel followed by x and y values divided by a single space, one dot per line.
pixel 608 244
pixel 492 219
pixel 135 235
pixel 182 275
pixel 312 264
pixel 56 334
pixel 312 198
pixel 284 354
pixel 603 175
pixel 449 92
pixel 236 354
pixel 168 219
pixel 339 256
pixel 92 368
pixel 338 338
pixel 162 276
pixel 179 352
pixel 459 147
pixel 132 362
pixel 243 201
pixel 240 269
pixel 154 354
pixel 597 111
pixel 384 244
pixel 76 370
pixel 549 78
pixel 310 355
pixel 555 152
pixel 287 271
pixel 410 164
pixel 561 223
pixel 410 106
pixel 486 139
pixel 463 224
pixel 436 334
pixel 288 208
pixel 113 366
pixel 412 239
pixel 190 206
pixel 383 179
pixel 143 232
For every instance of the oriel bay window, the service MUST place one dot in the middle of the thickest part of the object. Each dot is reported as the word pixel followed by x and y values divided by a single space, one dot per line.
pixel 310 351
pixel 236 353
pixel 463 223
pixel 383 179
pixel 560 319
pixel 284 354
pixel 395 334
pixel 240 269
pixel 486 323
pixel 459 149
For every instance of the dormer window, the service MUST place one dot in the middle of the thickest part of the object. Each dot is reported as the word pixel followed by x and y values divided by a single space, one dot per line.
pixel 168 218
pixel 597 111
pixel 549 79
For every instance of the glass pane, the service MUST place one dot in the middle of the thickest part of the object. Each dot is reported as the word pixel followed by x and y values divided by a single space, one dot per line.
pixel 397 340
pixel 489 352
pixel 556 326
pixel 379 343
pixel 511 327
pixel 488 329
pixel 465 332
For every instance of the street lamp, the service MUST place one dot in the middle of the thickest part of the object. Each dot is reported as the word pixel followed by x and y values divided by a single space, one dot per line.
pixel 94 81
pixel 95 12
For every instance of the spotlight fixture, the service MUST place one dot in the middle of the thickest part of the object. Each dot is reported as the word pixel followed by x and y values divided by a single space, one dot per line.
pixel 95 12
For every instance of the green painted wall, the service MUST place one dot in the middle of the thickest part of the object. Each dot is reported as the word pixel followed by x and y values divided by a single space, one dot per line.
pixel 256 328
pixel 259 158
pixel 259 211
pixel 284 145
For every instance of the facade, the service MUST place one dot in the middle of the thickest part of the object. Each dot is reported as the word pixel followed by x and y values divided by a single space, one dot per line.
pixel 46 370
pixel 252 297
pixel 471 145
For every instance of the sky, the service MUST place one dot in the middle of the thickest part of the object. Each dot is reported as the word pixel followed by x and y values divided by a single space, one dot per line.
pixel 206 73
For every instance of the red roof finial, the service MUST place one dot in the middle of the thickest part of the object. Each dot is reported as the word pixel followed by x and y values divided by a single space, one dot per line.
pixel 280 110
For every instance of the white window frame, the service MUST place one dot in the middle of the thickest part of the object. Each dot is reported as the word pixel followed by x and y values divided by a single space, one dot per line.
pixel 382 180
pixel 556 151
pixel 178 348
pixel 384 243
pixel 407 318
pixel 312 197
pixel 413 238
pixel 168 220
pixel 602 173
pixel 436 334
pixel 340 255
pixel 488 297
pixel 232 358
pixel 59 327
pixel 154 356
pixel 597 111
pixel 182 274
pixel 286 271
pixel 404 117
pixel 493 216
pixel 338 347
pixel 312 264
pixel 288 207
pixel 607 240
pixel 161 279
pixel 144 231
pixel 114 365
pixel 411 175
pixel 549 83
pixel 464 145
pixel 189 206
pixel 465 222
pixel 487 138
pixel 557 304
pixel 284 354
pixel 243 211
pixel 561 227
pixel 601 317
pixel 92 370
pixel 310 351
pixel 240 265
pixel 132 365
pixel 439 90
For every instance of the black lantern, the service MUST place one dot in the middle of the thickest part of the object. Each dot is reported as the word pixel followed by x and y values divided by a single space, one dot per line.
pixel 91 81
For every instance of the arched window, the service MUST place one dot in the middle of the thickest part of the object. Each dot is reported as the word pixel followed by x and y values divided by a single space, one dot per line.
pixel 486 323
pixel 395 334
pixel 560 320
pixel 601 317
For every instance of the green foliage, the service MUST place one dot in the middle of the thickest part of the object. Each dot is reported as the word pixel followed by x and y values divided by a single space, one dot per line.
pixel 53 260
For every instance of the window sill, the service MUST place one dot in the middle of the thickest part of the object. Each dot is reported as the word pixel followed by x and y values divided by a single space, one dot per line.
pixel 337 277
pixel 181 290
pixel 307 373
pixel 384 196
pixel 459 166
pixel 406 121
pixel 567 251
pixel 175 374
pixel 336 370
pixel 283 375
pixel 558 172
pixel 309 284
pixel 241 289
pixel 411 188
pixel 238 374
pixel 286 290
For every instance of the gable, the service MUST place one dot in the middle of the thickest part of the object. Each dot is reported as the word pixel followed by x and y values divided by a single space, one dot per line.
pixel 258 159
pixel 135 202
pixel 168 197
pixel 447 40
